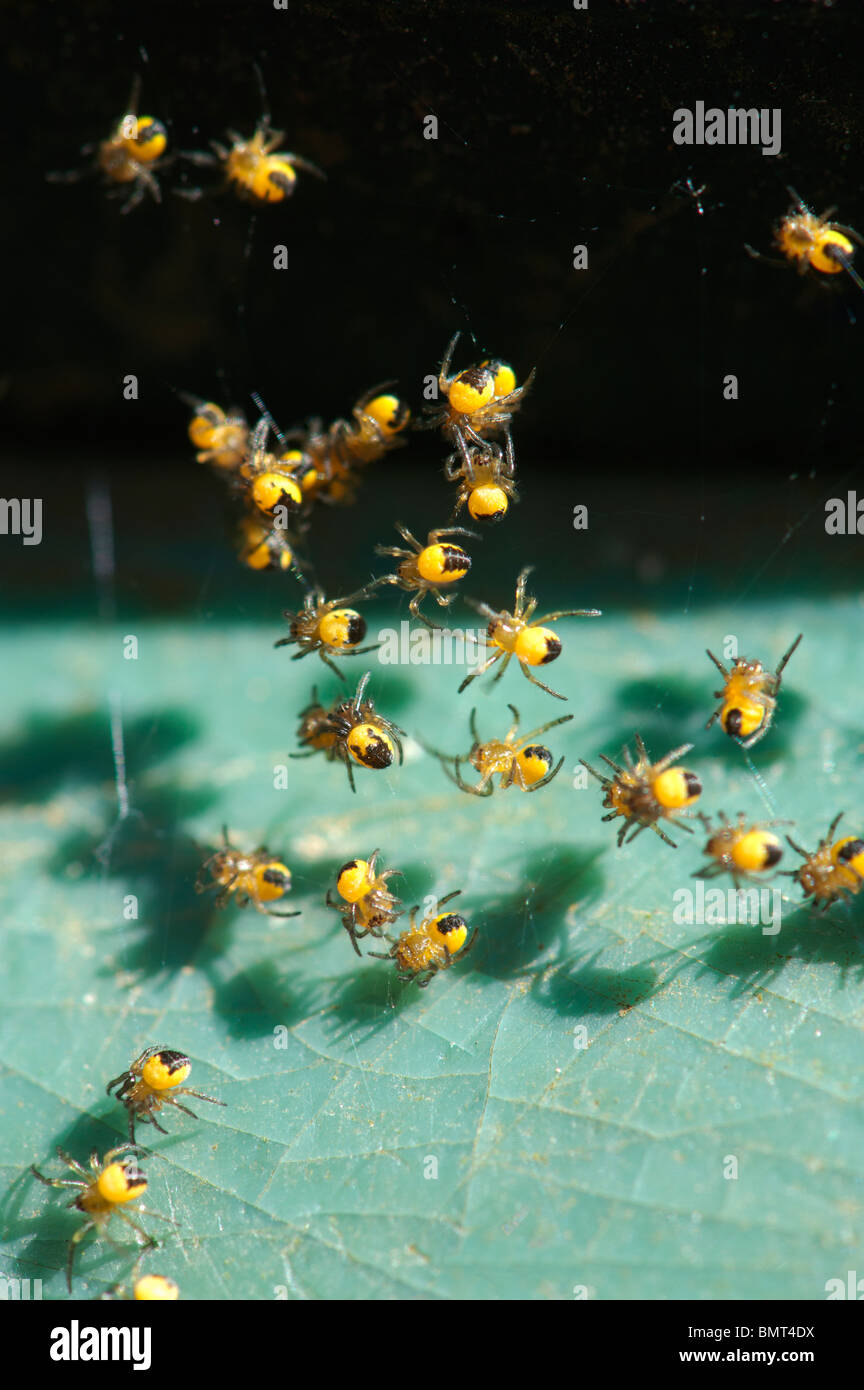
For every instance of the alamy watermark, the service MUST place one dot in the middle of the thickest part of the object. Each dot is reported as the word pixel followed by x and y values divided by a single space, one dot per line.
pixel 844 516
pixel 22 516
pixel 431 646
pixel 719 907
pixel 18 1290
pixel 733 126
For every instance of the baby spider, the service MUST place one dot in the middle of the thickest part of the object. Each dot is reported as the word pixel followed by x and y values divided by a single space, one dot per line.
pixel 831 871
pixel 518 763
pixel 256 877
pixel 265 545
pixel 477 403
pixel 424 568
pixel 743 849
pixel 152 1081
pixel 268 481
pixel 485 480
pixel 514 634
pixel 367 905
pixel 257 170
pixel 102 1191
pixel 352 731
pixel 376 422
pixel 328 628
pixel 129 156
pixel 316 732
pixel 647 792
pixel 749 697
pixel 221 439
pixel 813 243
pixel 423 950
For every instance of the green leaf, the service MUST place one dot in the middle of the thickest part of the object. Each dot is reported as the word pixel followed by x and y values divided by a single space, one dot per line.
pixel 455 1142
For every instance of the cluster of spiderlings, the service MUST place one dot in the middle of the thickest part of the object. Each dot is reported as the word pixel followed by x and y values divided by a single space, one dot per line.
pixel 351 732
pixel 643 793
pixel 368 907
pixel 277 487
pixel 255 168
pixel 154 1079
pixel 474 410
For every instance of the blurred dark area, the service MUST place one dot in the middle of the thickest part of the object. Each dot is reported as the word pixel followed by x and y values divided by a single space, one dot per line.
pixel 554 130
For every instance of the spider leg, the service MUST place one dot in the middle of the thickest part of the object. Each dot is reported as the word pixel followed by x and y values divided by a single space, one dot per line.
pixel 328 662
pixel 448 357
pixel 710 870
pixel 758 736
pixel 520 589
pixel 768 260
pixel 184 1108
pixel 407 536
pixel 455 894
pixel 56 1182
pixel 598 775
pixel 69 175
pixel 414 608
pixel 350 928
pixel 137 194
pixel 125 1077
pixel 79 1234
pixel 482 788
pixel 350 771
pixel 664 836
pixel 112 1154
pixel 720 667
pixel 435 536
pixel 306 165
pixel 149 1242
pixel 79 1167
pixel 514 726
pixel 805 854
pixel 784 659
pixel 670 757
pixel 548 777
pixel 535 733
pixel 225 893
pixel 481 670
pixel 526 671
pixel 472 724
pixel 201 884
pixel 509 456
pixel 443 601
pixel 570 613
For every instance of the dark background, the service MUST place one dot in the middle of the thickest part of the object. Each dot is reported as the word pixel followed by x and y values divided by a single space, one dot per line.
pixel 555 128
